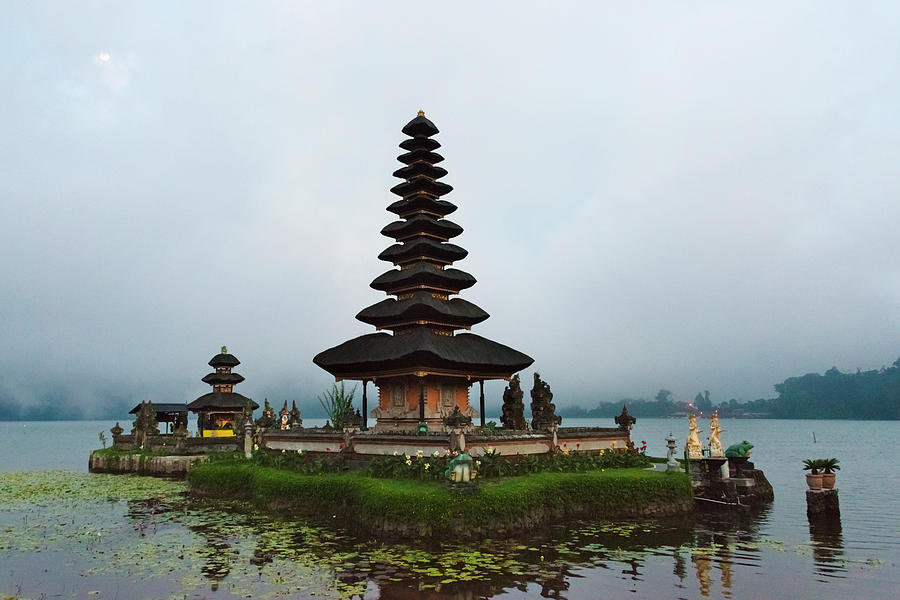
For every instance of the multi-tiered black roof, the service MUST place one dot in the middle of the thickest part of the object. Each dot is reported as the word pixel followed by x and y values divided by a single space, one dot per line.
pixel 422 317
pixel 223 381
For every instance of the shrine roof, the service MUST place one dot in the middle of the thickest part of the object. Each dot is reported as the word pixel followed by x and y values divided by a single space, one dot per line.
pixel 223 379
pixel 162 407
pixel 229 400
pixel 224 360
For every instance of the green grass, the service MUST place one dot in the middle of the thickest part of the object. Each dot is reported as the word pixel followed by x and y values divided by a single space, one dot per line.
pixel 430 505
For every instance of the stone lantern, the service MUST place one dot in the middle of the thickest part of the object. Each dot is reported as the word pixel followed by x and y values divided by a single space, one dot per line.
pixel 671 463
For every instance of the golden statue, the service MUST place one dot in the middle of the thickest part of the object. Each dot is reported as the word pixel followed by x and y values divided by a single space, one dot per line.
pixel 715 444
pixel 692 447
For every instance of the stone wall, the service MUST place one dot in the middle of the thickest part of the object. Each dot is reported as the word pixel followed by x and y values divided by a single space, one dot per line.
pixel 142 464
pixel 507 443
pixel 179 445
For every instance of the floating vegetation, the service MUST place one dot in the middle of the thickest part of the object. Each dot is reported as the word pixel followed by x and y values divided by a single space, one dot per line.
pixel 112 533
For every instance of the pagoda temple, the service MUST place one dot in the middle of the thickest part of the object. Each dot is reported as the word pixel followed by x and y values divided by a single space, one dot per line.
pixel 216 411
pixel 423 369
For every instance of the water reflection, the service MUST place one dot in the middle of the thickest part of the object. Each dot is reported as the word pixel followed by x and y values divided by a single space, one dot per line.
pixel 703 552
pixel 827 539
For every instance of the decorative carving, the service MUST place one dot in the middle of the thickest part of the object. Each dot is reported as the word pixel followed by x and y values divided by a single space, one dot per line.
pixel 543 411
pixel 513 416
pixel 180 426
pixel 144 424
pixel 284 417
pixel 624 420
pixel 692 447
pixel 398 400
pixel 355 420
pixel 242 418
pixel 116 431
pixel 715 443
pixel 267 419
pixel 457 420
pixel 447 405
pixel 295 421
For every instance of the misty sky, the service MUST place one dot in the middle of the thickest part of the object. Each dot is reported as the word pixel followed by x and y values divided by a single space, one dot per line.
pixel 689 195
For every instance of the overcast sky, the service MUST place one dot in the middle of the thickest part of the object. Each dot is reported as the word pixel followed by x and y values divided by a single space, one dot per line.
pixel 689 195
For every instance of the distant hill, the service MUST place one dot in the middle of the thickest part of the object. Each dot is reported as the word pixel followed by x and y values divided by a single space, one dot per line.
pixel 835 395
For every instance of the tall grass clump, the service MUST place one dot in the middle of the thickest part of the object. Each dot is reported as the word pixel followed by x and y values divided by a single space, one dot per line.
pixel 338 405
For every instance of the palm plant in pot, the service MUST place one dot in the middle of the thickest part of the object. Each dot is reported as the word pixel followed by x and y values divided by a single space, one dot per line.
pixel 829 466
pixel 814 477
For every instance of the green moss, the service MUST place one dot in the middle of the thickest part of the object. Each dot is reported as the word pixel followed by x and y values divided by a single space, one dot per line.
pixel 113 452
pixel 375 502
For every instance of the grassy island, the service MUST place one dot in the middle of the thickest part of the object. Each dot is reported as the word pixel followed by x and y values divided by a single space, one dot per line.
pixel 399 507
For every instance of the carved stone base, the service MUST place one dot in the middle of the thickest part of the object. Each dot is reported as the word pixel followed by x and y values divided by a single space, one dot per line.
pixel 386 425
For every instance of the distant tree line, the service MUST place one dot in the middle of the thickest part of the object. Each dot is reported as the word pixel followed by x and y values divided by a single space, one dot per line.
pixel 871 394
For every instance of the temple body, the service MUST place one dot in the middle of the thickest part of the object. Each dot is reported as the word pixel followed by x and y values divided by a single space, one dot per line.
pixel 423 369
pixel 217 410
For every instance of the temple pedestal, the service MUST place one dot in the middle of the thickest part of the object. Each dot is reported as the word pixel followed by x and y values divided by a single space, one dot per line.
pixel 822 503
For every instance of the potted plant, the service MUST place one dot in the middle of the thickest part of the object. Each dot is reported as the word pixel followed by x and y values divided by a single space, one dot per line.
pixel 829 466
pixel 814 477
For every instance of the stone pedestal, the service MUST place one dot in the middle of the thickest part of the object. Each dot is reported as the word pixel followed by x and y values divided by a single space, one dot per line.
pixel 822 503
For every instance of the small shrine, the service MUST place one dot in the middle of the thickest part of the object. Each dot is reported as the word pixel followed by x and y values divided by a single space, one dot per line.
pixel 218 410
pixel 423 368
pixel 174 415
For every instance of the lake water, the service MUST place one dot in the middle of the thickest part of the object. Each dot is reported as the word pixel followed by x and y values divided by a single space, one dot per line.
pixel 65 533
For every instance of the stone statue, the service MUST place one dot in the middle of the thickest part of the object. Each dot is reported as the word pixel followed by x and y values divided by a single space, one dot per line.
pixel 457 420
pixel 741 450
pixel 295 421
pixel 284 417
pixel 543 411
pixel 513 416
pixel 267 420
pixel 353 420
pixel 624 420
pixel 715 443
pixel 242 418
pixel 460 469
pixel 692 447
pixel 144 424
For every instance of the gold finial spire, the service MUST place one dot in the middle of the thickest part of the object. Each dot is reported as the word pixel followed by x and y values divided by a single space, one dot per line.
pixel 421 113
pixel 224 349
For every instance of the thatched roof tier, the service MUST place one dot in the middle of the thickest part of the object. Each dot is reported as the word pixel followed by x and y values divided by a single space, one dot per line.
pixel 421 204
pixel 421 351
pixel 223 378
pixel 423 248
pixel 423 275
pixel 422 225
pixel 221 400
pixel 224 360
pixel 422 306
